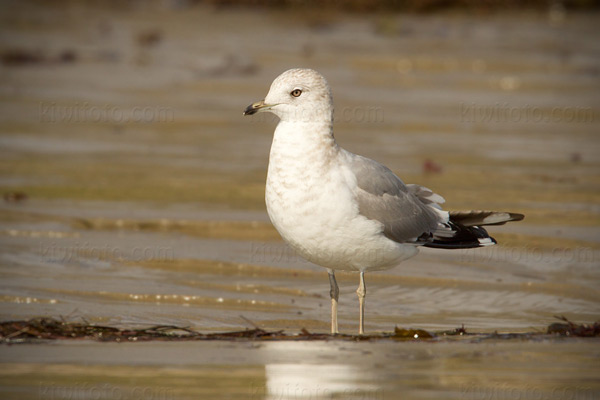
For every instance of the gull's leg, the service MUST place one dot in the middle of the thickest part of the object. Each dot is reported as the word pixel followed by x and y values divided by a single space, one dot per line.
pixel 334 292
pixel 361 292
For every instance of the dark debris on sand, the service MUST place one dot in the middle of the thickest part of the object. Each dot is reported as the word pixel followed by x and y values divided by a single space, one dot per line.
pixel 37 329
pixel 568 328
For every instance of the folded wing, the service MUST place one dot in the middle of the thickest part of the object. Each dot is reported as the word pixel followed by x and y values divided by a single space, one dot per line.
pixel 412 213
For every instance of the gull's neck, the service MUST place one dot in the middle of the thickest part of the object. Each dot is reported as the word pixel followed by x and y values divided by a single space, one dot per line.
pixel 309 141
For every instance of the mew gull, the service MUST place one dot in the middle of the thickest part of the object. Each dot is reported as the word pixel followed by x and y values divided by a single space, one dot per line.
pixel 343 211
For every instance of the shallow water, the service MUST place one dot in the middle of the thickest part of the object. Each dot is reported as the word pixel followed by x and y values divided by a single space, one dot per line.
pixel 158 218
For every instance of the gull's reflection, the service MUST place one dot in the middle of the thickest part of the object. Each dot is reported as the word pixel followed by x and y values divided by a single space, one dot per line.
pixel 310 381
pixel 326 372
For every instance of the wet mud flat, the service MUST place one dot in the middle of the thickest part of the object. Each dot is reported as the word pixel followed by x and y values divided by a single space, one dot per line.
pixel 170 362
pixel 135 204
pixel 564 368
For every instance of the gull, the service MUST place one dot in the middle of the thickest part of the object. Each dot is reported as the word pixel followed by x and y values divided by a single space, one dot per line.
pixel 343 211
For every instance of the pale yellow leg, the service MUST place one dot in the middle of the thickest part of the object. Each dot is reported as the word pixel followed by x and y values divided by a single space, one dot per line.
pixel 361 292
pixel 335 294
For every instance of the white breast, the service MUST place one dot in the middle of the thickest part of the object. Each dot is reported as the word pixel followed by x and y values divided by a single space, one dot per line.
pixel 310 200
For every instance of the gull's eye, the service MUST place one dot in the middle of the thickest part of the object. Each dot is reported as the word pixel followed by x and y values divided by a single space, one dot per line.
pixel 296 92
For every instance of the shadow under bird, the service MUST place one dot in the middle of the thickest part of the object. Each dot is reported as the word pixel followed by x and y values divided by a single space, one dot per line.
pixel 343 211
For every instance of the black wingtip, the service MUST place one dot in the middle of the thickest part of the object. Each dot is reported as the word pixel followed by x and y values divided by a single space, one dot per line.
pixel 516 216
pixel 465 237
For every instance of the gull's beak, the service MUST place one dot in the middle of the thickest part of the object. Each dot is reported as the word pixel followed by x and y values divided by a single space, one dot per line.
pixel 256 107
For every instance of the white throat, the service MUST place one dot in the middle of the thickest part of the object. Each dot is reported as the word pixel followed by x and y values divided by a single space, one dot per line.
pixel 306 141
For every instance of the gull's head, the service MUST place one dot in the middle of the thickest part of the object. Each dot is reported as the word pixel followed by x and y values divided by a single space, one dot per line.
pixel 297 95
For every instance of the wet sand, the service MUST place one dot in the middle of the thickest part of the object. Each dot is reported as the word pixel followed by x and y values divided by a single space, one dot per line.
pixel 145 187
pixel 303 370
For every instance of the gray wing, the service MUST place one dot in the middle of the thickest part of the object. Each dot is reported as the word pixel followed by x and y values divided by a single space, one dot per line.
pixel 406 211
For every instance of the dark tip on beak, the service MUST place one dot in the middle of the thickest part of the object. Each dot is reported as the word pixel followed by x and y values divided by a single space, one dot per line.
pixel 254 107
pixel 251 109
